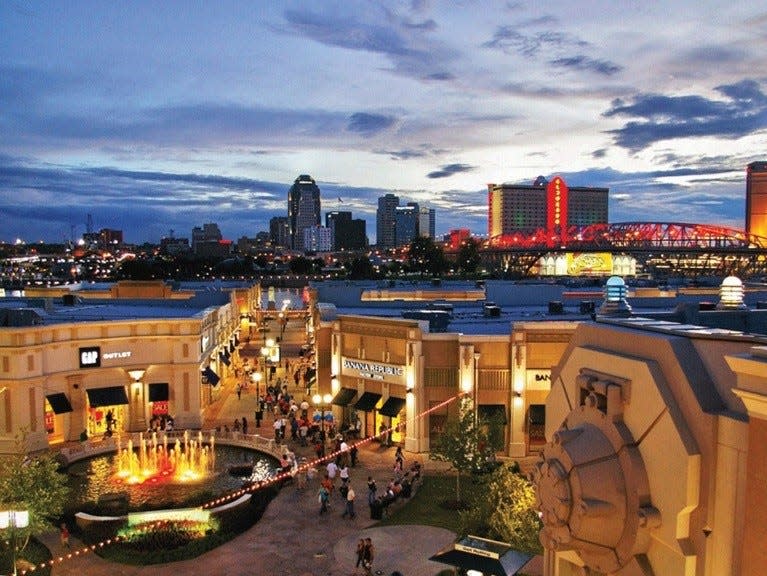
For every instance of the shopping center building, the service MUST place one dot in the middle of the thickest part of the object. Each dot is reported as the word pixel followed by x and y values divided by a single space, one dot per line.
pixel 71 362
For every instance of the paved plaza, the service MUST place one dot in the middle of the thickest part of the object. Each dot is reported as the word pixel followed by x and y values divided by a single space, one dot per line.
pixel 292 539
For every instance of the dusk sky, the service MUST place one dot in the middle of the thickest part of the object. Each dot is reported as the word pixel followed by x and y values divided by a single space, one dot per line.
pixel 158 116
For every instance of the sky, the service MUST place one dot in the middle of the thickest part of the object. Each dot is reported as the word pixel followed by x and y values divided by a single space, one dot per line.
pixel 155 117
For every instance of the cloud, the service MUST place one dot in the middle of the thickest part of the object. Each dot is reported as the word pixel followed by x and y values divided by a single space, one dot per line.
pixel 587 64
pixel 742 111
pixel 369 124
pixel 600 153
pixel 377 29
pixel 450 169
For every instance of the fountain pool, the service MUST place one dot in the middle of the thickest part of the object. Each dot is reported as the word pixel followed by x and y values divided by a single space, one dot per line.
pixel 152 475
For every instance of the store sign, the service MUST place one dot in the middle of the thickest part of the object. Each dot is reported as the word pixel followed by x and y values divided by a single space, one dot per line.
pixel 372 370
pixel 115 355
pixel 90 357
pixel 538 379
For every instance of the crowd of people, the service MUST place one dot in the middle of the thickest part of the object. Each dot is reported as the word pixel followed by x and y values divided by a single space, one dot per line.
pixel 327 453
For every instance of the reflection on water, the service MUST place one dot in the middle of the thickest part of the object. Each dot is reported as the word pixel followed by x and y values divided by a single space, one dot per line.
pixel 93 478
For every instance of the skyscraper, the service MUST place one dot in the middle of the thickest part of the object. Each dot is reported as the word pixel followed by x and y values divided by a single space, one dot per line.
pixel 385 223
pixel 405 224
pixel 348 234
pixel 756 198
pixel 303 209
pixel 426 224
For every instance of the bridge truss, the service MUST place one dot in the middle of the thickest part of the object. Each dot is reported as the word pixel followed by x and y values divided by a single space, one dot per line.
pixel 661 249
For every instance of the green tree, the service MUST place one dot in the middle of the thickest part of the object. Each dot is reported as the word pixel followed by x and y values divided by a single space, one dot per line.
pixel 425 256
pixel 33 484
pixel 468 256
pixel 360 269
pixel 466 443
pixel 506 511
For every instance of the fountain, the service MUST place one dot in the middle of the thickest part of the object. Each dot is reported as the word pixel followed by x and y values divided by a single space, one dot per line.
pixel 187 460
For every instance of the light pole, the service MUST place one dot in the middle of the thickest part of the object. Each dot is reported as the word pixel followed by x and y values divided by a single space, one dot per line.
pixel 256 377
pixel 322 401
pixel 12 519
pixel 265 356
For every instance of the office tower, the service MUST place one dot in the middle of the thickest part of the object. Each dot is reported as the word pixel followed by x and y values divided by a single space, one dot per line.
pixel 756 198
pixel 426 225
pixel 318 239
pixel 279 231
pixel 209 233
pixel 405 224
pixel 303 209
pixel 550 206
pixel 348 233
pixel 385 224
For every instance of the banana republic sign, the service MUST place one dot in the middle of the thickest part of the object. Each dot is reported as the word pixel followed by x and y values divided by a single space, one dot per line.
pixel 373 370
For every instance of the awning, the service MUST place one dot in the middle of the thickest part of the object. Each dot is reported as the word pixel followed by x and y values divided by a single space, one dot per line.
pixel 108 396
pixel 232 345
pixel 392 406
pixel 344 396
pixel 224 356
pixel 492 412
pixel 236 339
pixel 59 403
pixel 209 376
pixel 367 401
pixel 487 556
pixel 158 392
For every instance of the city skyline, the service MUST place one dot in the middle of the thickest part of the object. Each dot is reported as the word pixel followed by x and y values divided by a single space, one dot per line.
pixel 154 118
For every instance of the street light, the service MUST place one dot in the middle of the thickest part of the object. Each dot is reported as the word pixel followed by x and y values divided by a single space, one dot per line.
pixel 322 401
pixel 14 519
pixel 256 377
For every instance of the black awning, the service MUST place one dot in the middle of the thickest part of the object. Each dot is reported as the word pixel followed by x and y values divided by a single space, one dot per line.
pixel 492 412
pixel 158 392
pixel 487 556
pixel 367 401
pixel 236 339
pixel 392 406
pixel 224 357
pixel 109 396
pixel 344 396
pixel 231 345
pixel 59 403
pixel 209 376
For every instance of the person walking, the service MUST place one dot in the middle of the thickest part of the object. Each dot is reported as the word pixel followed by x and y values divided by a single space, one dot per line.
pixel 360 553
pixel 349 511
pixel 324 497
pixel 368 553
pixel 64 535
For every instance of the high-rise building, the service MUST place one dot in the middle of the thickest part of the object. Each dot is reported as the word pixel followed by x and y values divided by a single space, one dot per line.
pixel 405 224
pixel 303 209
pixel 385 222
pixel 550 206
pixel 203 237
pixel 279 231
pixel 318 239
pixel 426 224
pixel 756 198
pixel 348 233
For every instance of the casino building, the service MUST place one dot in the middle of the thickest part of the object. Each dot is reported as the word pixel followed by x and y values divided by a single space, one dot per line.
pixel 545 205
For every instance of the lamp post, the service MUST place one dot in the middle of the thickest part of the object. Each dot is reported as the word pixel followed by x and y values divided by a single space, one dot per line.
pixel 265 357
pixel 13 519
pixel 321 401
pixel 256 377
